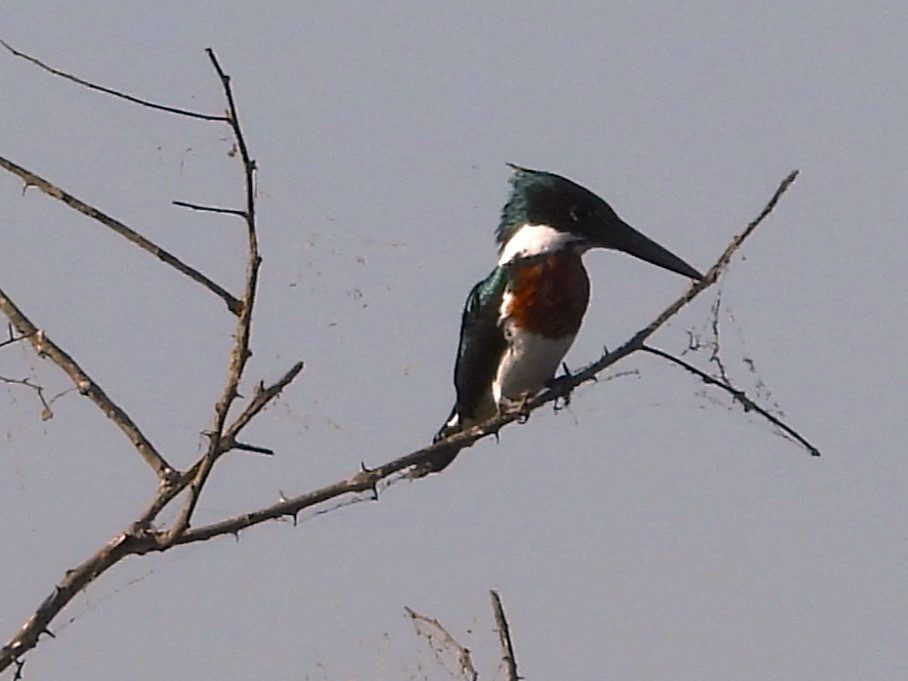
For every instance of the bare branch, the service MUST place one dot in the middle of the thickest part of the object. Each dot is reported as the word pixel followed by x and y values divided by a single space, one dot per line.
pixel 45 347
pixel 209 209
pixel 241 353
pixel 109 91
pixel 167 494
pixel 137 539
pixel 46 412
pixel 32 180
pixel 12 338
pixel 141 537
pixel 739 396
pixel 72 583
pixel 432 630
pixel 504 635
pixel 563 386
pixel 366 481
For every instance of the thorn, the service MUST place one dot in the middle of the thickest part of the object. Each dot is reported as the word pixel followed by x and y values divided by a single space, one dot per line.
pixel 253 448
pixel 365 469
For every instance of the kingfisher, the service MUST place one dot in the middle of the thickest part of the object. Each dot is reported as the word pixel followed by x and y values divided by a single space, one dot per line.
pixel 519 322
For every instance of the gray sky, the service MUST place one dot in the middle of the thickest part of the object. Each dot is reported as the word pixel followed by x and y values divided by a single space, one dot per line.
pixel 652 531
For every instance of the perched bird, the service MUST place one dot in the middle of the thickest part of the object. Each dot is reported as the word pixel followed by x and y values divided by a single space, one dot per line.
pixel 520 321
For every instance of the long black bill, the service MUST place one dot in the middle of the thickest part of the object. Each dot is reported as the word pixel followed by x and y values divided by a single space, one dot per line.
pixel 623 237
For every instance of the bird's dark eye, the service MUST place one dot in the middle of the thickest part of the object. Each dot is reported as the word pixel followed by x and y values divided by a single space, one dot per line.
pixel 579 213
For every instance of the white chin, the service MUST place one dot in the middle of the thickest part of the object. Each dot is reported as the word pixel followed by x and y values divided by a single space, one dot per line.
pixel 531 240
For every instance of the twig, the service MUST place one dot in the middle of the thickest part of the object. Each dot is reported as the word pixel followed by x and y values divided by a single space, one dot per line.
pixel 33 180
pixel 166 495
pixel 566 384
pixel 504 635
pixel 46 412
pixel 240 354
pixel 137 539
pixel 430 628
pixel 45 347
pixel 72 583
pixel 715 352
pixel 739 395
pixel 367 480
pixel 109 91
pixel 262 397
pixel 12 338
pixel 141 537
pixel 209 209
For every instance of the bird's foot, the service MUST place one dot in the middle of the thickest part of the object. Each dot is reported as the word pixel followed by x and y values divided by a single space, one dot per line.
pixel 564 400
pixel 522 407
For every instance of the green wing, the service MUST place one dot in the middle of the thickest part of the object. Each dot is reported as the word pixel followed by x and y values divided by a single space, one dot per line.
pixel 482 342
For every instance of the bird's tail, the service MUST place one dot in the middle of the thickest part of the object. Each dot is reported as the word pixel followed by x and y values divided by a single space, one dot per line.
pixel 451 426
pixel 443 458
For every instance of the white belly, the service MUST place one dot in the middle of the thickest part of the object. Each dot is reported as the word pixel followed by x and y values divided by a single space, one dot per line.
pixel 528 364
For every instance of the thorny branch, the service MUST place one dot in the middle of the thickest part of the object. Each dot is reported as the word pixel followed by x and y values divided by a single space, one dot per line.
pixel 368 480
pixel 563 386
pixel 141 536
pixel 241 353
pixel 45 347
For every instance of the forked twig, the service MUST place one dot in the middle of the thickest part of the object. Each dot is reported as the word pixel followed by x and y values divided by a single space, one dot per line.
pixel 432 630
pixel 12 339
pixel 45 347
pixel 367 480
pixel 442 641
pixel 241 353
pixel 140 537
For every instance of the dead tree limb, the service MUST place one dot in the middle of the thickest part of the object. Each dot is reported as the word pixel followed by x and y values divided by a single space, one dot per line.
pixel 504 635
pixel 141 535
